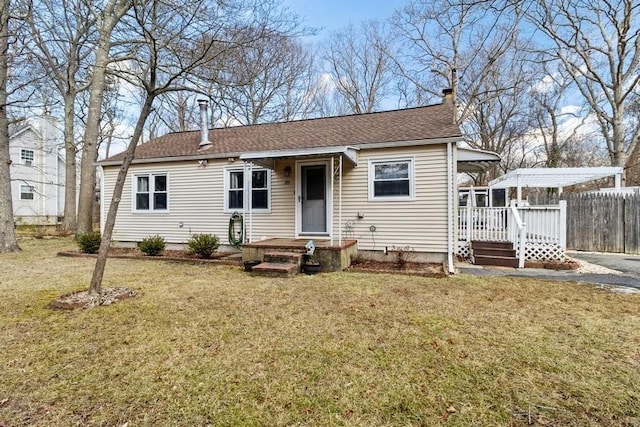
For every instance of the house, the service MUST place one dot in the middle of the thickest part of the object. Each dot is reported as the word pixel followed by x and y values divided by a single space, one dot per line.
pixel 37 171
pixel 379 181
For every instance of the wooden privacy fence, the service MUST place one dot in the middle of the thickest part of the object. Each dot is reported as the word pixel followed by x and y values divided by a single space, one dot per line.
pixel 603 222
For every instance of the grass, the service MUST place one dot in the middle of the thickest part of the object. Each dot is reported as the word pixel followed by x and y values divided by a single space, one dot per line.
pixel 210 345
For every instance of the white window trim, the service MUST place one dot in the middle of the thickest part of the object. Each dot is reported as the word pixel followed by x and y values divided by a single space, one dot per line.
pixel 134 191
pixel 247 182
pixel 31 191
pixel 412 179
pixel 23 160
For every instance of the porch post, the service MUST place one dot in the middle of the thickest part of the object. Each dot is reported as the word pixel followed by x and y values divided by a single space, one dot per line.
pixel 244 200
pixel 331 192
pixel 562 230
pixel 250 200
pixel 340 202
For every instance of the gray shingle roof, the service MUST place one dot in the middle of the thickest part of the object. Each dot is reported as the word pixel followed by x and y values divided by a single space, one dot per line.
pixel 421 123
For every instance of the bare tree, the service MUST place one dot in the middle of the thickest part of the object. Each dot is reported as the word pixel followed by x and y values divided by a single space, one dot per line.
pixel 443 40
pixel 107 18
pixel 598 44
pixel 169 50
pixel 8 241
pixel 359 64
pixel 558 125
pixel 266 81
pixel 475 49
pixel 61 33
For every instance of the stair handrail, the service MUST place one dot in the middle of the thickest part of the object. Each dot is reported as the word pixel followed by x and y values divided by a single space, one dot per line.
pixel 522 234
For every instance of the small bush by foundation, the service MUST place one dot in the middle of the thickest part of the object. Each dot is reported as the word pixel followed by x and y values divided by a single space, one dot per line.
pixel 152 245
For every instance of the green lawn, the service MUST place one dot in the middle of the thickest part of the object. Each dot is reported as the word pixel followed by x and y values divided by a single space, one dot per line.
pixel 212 345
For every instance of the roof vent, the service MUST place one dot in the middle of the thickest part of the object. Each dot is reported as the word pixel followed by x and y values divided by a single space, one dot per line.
pixel 204 126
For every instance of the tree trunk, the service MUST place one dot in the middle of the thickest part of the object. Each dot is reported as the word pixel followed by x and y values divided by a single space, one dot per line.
pixel 8 241
pixel 111 14
pixel 70 194
pixel 91 136
pixel 98 271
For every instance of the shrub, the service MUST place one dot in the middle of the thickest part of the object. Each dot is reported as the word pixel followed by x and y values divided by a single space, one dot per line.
pixel 89 242
pixel 152 245
pixel 203 245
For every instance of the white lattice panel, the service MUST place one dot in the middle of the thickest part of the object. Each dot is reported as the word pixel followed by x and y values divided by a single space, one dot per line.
pixel 543 252
pixel 462 249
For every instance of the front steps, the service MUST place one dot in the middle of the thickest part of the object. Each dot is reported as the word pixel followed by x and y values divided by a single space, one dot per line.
pixel 279 264
pixel 493 253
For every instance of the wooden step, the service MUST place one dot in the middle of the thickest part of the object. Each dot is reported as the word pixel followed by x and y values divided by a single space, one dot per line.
pixel 494 252
pixel 481 244
pixel 500 261
pixel 276 269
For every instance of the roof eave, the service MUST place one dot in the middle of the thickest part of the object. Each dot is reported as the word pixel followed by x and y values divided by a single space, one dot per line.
pixel 252 154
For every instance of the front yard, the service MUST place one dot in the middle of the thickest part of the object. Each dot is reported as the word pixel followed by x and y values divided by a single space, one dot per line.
pixel 209 344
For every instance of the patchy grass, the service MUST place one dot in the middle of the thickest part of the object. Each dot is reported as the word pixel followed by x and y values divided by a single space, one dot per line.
pixel 204 344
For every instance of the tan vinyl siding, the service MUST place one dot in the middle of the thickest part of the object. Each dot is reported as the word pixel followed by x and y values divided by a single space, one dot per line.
pixel 196 199
pixel 420 223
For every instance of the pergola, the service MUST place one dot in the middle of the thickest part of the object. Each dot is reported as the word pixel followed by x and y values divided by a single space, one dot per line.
pixel 554 178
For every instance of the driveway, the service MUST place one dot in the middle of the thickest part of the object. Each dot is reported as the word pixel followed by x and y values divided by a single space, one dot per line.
pixel 628 267
pixel 627 264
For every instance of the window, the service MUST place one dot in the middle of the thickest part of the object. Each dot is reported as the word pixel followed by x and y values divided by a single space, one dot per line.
pixel 391 179
pixel 151 192
pixel 26 192
pixel 26 157
pixel 234 189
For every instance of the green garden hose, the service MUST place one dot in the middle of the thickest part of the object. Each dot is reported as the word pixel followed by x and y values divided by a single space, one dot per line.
pixel 236 218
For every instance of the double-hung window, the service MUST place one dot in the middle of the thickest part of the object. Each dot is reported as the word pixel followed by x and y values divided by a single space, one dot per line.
pixel 151 192
pixel 235 185
pixel 391 179
pixel 26 192
pixel 27 157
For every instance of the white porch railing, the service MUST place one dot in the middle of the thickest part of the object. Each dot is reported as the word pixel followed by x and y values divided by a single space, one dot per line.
pixel 537 232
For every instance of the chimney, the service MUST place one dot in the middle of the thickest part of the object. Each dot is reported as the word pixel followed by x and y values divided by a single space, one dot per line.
pixel 447 96
pixel 450 95
pixel 204 125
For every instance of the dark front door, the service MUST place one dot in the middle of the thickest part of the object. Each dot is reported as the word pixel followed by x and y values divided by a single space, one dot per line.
pixel 314 199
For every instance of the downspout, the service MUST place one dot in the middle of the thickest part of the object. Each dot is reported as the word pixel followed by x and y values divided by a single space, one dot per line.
pixel 102 206
pixel 57 186
pixel 450 202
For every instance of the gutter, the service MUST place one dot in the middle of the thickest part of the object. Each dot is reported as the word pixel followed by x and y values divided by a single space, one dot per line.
pixel 374 145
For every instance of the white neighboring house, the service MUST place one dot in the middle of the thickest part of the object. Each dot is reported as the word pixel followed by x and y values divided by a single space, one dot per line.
pixel 36 149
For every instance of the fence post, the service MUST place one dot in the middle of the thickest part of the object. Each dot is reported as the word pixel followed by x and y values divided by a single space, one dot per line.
pixel 562 229
pixel 469 224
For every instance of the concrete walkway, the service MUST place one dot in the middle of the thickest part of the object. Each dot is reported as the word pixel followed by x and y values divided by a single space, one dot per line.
pixel 627 268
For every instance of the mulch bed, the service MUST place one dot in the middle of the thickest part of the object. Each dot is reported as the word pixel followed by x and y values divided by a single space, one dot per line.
pixel 568 264
pixel 83 299
pixel 408 268
pixel 166 255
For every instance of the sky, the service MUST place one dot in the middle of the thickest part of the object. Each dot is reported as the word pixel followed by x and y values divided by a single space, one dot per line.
pixel 332 15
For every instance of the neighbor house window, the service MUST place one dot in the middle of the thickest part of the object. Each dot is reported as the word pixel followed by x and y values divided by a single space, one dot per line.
pixel 151 192
pixel 26 157
pixel 391 179
pixel 26 192
pixel 235 185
